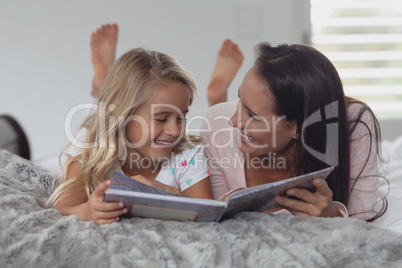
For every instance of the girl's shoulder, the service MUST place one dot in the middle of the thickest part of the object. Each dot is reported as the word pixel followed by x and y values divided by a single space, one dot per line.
pixel 190 152
pixel 75 147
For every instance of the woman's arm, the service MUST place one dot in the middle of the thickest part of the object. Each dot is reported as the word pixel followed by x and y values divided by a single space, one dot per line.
pixel 219 184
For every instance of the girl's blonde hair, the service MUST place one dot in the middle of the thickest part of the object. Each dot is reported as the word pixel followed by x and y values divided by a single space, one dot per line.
pixel 132 81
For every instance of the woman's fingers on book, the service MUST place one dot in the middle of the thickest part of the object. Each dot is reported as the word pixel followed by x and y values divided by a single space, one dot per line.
pixel 316 198
pixel 300 202
pixel 303 203
pixel 322 187
pixel 302 194
pixel 298 207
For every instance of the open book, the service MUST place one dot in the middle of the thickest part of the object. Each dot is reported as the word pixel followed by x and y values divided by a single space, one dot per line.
pixel 142 200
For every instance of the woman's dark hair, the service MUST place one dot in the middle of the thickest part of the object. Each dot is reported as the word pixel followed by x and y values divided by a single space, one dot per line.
pixel 308 91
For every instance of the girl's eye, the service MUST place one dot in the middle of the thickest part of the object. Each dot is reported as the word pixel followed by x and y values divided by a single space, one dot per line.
pixel 161 119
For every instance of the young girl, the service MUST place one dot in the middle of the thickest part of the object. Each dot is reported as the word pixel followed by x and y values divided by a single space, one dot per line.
pixel 138 128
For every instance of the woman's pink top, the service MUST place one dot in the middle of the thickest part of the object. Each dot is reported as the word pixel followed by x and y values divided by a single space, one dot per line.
pixel 226 160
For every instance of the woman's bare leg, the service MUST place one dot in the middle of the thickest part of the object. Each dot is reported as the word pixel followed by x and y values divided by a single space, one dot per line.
pixel 228 62
pixel 103 52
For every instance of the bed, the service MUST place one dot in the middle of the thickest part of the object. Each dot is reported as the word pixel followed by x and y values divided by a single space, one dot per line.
pixel 33 235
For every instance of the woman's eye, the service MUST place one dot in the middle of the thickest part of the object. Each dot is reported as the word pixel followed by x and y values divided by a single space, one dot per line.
pixel 181 119
pixel 251 115
pixel 161 119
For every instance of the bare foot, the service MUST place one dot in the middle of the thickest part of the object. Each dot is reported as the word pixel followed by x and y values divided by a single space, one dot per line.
pixel 228 62
pixel 103 52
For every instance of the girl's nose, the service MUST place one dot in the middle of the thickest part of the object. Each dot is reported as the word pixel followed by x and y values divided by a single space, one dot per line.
pixel 173 129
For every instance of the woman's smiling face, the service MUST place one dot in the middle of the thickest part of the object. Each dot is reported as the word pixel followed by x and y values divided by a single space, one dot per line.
pixel 261 131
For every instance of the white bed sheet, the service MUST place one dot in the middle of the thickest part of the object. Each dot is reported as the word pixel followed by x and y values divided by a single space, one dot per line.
pixel 392 170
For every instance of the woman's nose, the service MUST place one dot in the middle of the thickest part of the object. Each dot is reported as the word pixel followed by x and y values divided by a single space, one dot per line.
pixel 235 120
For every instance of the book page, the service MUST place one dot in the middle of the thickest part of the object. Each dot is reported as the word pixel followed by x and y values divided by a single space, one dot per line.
pixel 124 182
pixel 261 197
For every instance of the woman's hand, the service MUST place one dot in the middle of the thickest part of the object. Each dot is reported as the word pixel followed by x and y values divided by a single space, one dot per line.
pixel 318 204
pixel 101 212
pixel 225 196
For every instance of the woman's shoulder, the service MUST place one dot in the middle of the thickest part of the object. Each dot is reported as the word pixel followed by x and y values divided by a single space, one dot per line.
pixel 218 116
pixel 223 109
pixel 359 110
pixel 361 115
pixel 361 119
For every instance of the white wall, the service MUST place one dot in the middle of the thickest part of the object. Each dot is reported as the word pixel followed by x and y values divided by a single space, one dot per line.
pixel 45 66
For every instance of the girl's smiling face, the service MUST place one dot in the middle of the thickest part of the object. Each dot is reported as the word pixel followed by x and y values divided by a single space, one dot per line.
pixel 158 125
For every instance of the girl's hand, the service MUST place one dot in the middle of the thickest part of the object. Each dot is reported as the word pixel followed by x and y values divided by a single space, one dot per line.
pixel 318 204
pixel 100 212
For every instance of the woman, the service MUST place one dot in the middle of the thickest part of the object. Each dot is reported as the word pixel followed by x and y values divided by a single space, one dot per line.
pixel 293 118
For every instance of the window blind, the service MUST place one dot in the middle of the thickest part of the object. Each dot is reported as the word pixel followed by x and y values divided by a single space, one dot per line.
pixel 363 38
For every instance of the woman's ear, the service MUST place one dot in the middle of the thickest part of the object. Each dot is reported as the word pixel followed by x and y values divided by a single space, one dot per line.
pixel 296 133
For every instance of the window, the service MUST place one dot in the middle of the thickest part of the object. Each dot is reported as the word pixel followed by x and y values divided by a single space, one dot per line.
pixel 363 38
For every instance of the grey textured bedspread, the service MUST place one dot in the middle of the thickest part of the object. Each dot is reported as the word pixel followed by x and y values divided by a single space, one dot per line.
pixel 32 235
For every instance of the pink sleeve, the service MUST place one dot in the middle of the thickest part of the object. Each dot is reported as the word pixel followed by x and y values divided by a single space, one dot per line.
pixel 218 181
pixel 225 160
pixel 363 159
pixel 342 209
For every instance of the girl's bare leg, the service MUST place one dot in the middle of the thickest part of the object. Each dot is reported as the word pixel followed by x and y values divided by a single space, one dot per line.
pixel 103 52
pixel 228 62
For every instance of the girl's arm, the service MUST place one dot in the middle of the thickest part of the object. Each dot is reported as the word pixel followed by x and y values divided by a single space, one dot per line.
pixel 75 202
pixel 201 189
